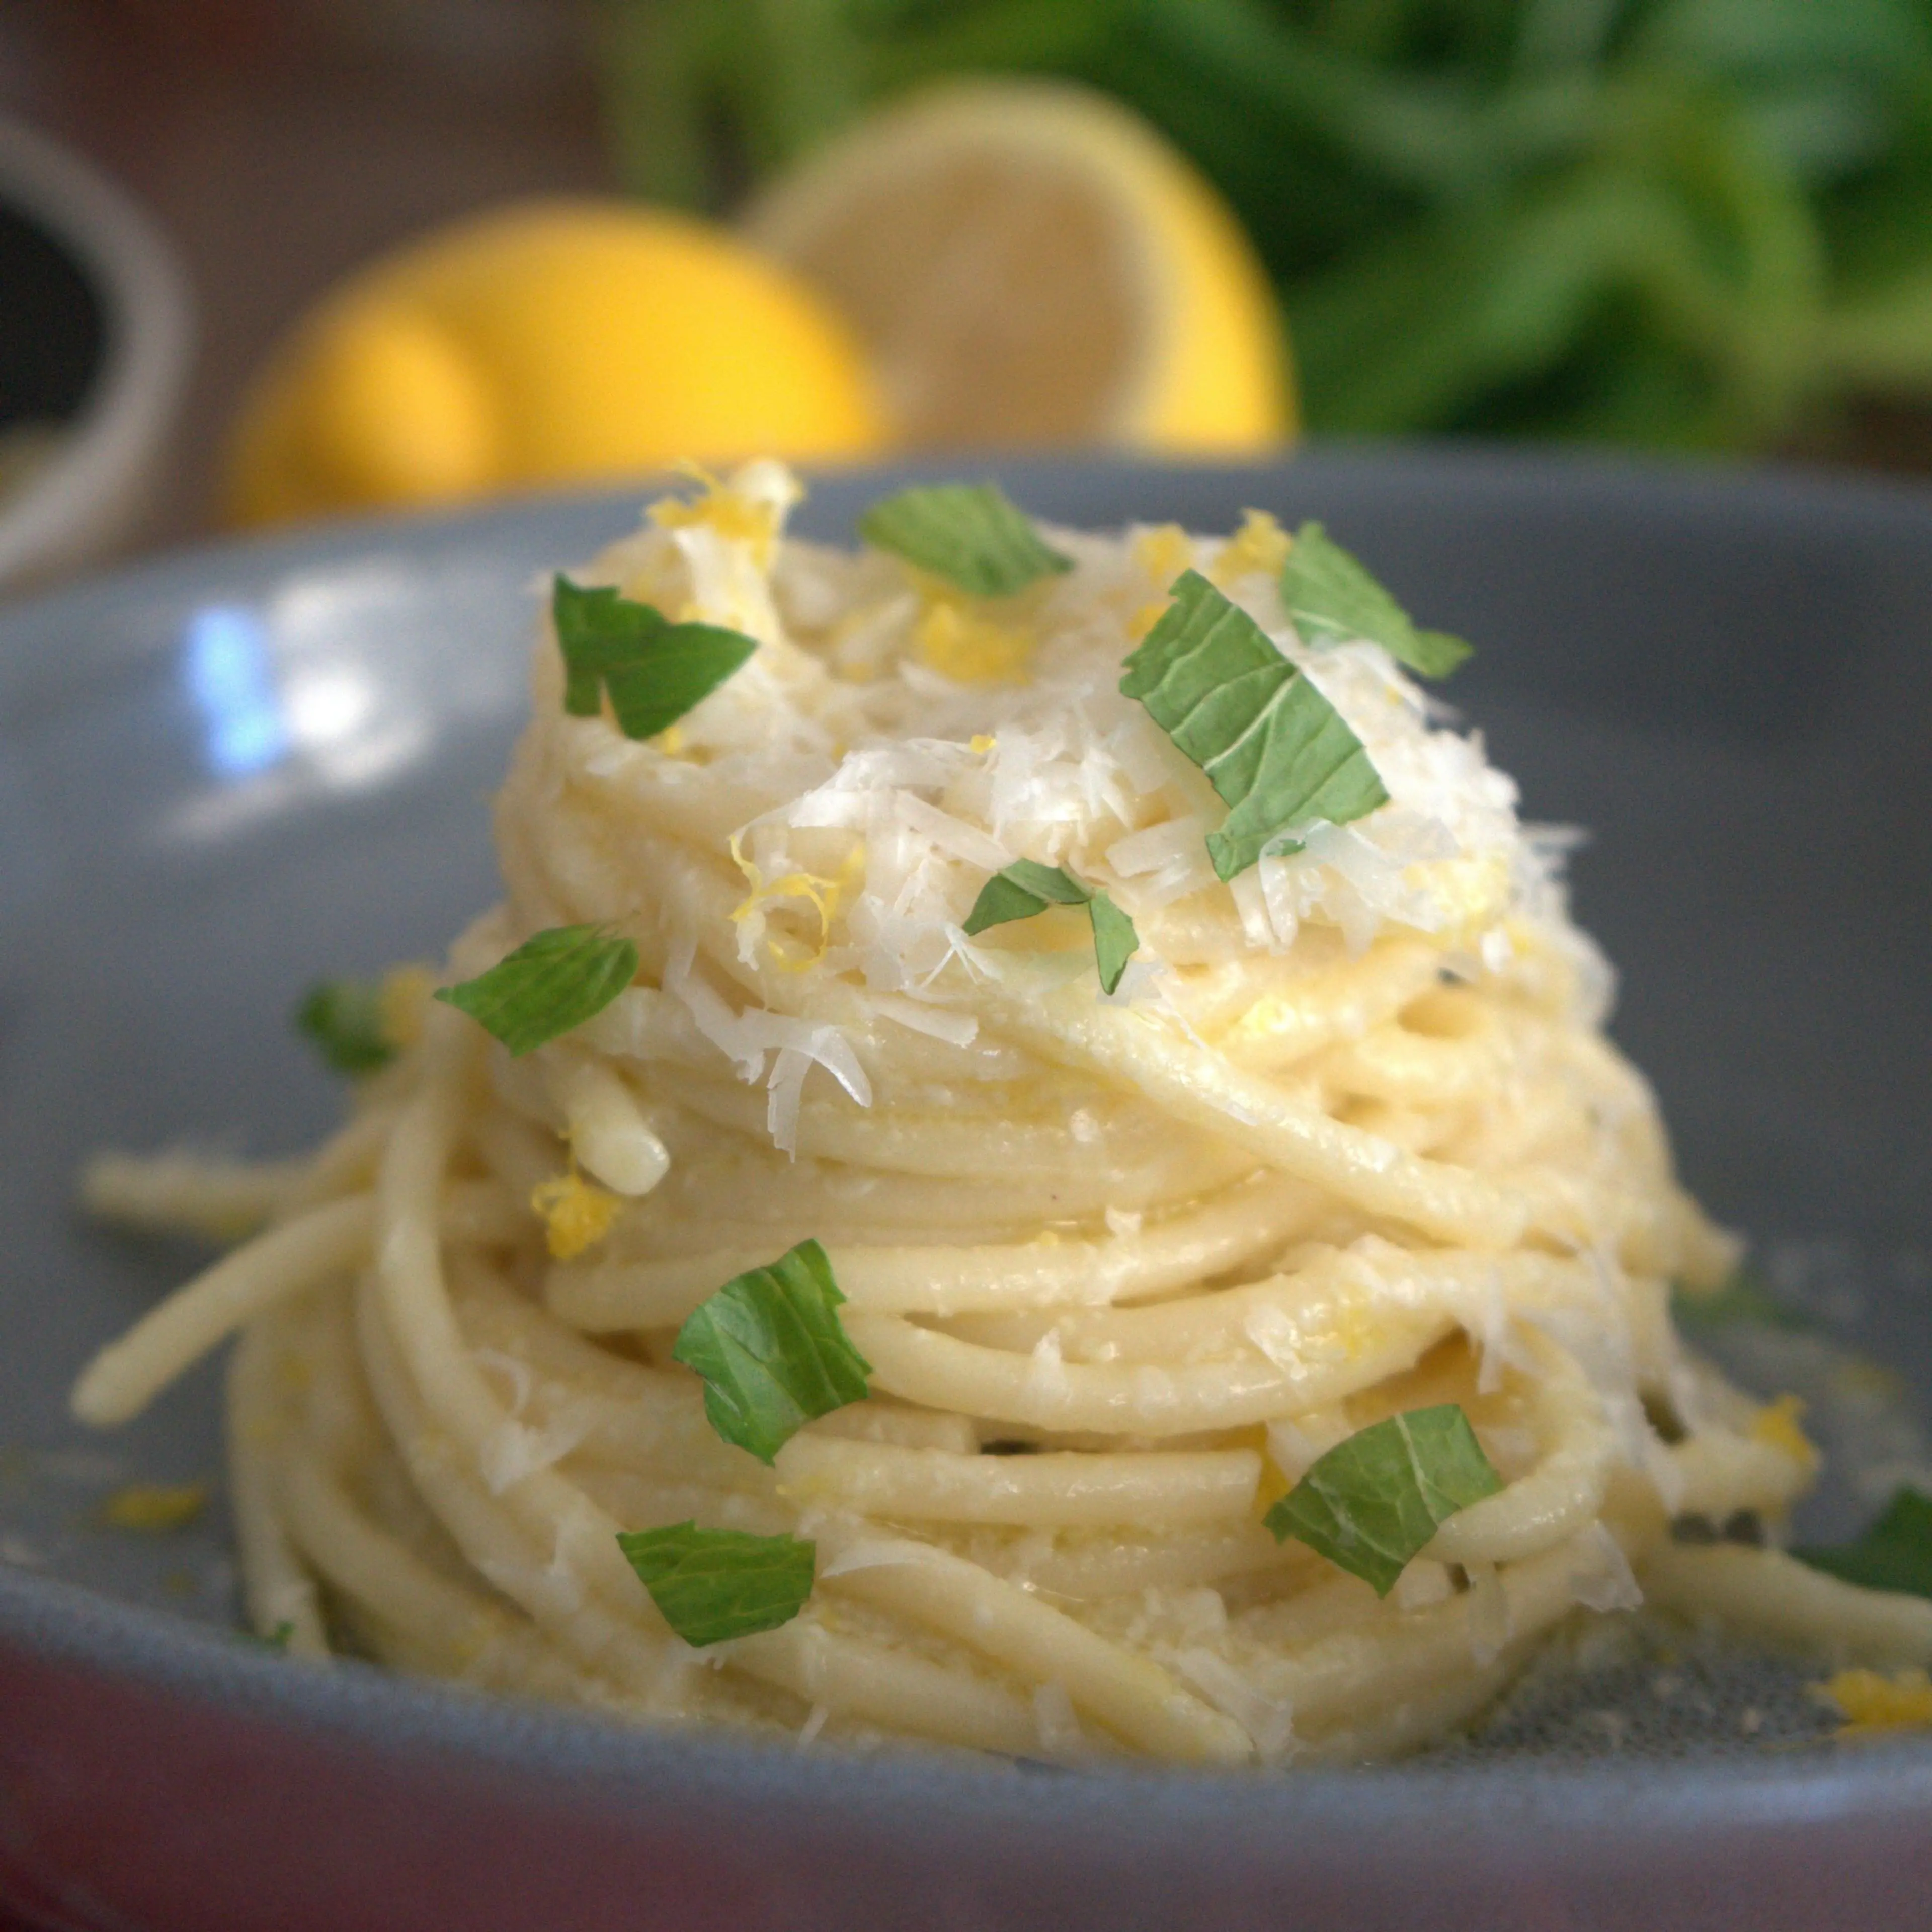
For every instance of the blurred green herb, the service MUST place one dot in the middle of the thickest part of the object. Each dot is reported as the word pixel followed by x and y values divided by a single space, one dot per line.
pixel 1894 1552
pixel 1330 598
pixel 1743 1298
pixel 342 1019
pixel 1686 223
pixel 970 534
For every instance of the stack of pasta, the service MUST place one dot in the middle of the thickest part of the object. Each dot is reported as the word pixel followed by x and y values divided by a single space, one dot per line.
pixel 1231 1329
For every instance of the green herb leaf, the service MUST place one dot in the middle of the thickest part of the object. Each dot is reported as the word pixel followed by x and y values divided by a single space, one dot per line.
pixel 549 985
pixel 1374 1501
pixel 342 1019
pixel 1026 888
pixel 1744 1298
pixel 654 671
pixel 772 1351
pixel 1277 750
pixel 277 1639
pixel 1894 1552
pixel 1330 598
pixel 1115 941
pixel 712 1585
pixel 968 533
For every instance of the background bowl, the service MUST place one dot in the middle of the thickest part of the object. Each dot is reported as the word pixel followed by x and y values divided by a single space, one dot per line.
pixel 95 341
pixel 225 774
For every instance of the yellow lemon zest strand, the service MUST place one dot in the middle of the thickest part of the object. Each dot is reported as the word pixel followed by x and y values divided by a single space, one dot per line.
pixel 1164 552
pixel 735 516
pixel 823 895
pixel 981 743
pixel 1873 1703
pixel 153 1509
pixel 671 741
pixel 576 1214
pixel 402 1003
pixel 970 648
pixel 1144 619
pixel 1777 1424
pixel 1259 548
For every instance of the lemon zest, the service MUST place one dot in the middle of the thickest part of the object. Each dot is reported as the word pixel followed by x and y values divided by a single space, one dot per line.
pixel 1259 548
pixel 1144 619
pixel 736 516
pixel 1164 552
pixel 402 1004
pixel 960 643
pixel 1777 1425
pixel 981 743
pixel 823 895
pixel 154 1509
pixel 576 1214
pixel 1873 1703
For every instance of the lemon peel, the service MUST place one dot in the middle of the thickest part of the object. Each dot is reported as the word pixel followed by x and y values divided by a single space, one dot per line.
pixel 1776 1424
pixel 576 1214
pixel 823 895
pixel 1164 552
pixel 1874 1704
pixel 968 647
pixel 1259 548
pixel 734 513
pixel 154 1509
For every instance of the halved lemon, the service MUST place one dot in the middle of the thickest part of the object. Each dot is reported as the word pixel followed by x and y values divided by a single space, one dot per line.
pixel 1029 262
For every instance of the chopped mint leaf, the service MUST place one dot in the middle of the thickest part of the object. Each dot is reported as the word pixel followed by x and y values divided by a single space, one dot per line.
pixel 1744 1298
pixel 549 985
pixel 1373 1502
pixel 342 1019
pixel 277 1639
pixel 712 1585
pixel 1330 598
pixel 772 1351
pixel 1115 941
pixel 1279 754
pixel 1026 888
pixel 970 534
pixel 653 671
pixel 1894 1553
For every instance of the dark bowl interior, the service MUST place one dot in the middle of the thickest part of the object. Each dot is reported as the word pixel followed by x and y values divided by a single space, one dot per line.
pixel 53 328
pixel 229 773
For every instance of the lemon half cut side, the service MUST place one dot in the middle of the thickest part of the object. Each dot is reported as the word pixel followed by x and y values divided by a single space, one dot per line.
pixel 1029 263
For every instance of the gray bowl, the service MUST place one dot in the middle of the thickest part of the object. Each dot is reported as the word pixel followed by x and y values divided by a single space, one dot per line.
pixel 228 773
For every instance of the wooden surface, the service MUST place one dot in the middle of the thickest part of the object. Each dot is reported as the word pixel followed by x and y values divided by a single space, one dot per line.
pixel 279 143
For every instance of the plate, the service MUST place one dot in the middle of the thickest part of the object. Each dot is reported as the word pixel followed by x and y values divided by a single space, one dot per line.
pixel 227 773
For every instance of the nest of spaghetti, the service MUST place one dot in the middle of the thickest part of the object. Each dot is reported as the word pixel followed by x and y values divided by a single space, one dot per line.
pixel 1123 1270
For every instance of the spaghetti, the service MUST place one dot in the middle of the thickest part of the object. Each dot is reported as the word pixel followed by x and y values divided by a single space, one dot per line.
pixel 1346 1141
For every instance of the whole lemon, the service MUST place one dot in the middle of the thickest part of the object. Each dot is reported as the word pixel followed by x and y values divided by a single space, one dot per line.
pixel 547 343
